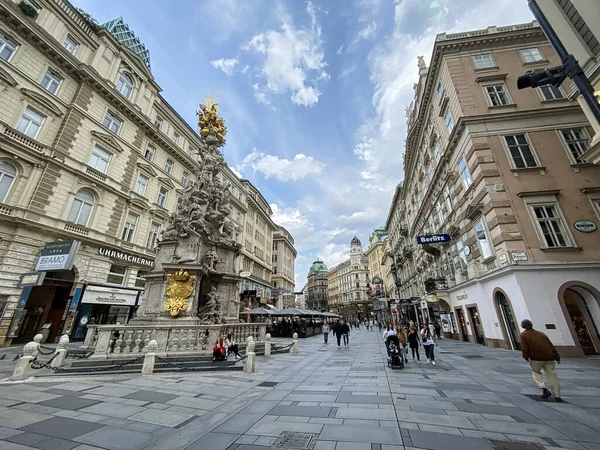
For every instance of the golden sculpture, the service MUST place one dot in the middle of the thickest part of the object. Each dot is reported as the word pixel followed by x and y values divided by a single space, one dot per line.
pixel 209 120
pixel 179 288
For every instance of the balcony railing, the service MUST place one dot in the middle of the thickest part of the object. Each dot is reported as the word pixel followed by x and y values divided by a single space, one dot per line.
pixel 435 284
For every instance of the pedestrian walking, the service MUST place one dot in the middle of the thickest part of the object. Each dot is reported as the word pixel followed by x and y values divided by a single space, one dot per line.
pixel 337 331
pixel 380 326
pixel 325 332
pixel 429 343
pixel 438 329
pixel 403 338
pixel 345 329
pixel 413 341
pixel 541 354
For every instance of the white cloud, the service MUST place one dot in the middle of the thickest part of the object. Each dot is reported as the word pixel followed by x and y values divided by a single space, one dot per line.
pixel 367 32
pixel 340 50
pixel 225 64
pixel 192 44
pixel 236 172
pixel 289 57
pixel 300 166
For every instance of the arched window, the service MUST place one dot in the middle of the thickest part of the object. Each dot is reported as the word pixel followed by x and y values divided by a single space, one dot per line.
pixel 81 209
pixel 8 173
pixel 125 85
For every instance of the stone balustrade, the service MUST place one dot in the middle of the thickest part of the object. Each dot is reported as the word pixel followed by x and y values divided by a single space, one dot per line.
pixel 114 341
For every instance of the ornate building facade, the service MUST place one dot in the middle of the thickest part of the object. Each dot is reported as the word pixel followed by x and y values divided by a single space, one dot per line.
pixel 315 292
pixel 495 175
pixel 284 258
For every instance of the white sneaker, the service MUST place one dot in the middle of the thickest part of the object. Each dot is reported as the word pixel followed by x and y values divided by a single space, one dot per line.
pixel 419 362
pixel 428 361
pixel 433 362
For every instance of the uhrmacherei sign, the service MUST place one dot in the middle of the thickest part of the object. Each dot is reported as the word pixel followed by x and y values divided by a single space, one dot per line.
pixel 58 255
pixel 433 238
pixel 122 256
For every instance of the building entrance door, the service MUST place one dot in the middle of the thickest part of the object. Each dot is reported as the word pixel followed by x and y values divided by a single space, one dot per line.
pixel 585 327
pixel 510 323
pixel 460 316
pixel 476 325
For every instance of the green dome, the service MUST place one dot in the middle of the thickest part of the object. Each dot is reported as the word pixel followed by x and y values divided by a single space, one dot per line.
pixel 318 266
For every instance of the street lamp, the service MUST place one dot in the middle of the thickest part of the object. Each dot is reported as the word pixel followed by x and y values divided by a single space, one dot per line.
pixel 556 75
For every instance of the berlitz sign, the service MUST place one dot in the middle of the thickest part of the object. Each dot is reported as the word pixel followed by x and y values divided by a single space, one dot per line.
pixel 433 238
pixel 58 255
pixel 127 257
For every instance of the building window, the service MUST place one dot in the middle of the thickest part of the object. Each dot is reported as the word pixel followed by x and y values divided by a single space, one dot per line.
pixel 462 256
pixel 465 175
pixel 550 92
pixel 176 137
pixel 141 185
pixel 448 199
pixel 99 159
pixel 162 196
pixel 484 61
pixel 116 274
pixel 449 121
pixel 129 228
pixel 550 225
pixel 51 81
pixel 30 123
pixel 437 152
pixel 185 177
pixel 529 55
pixel 169 166
pixel 125 85
pixel 179 204
pixel 497 95
pixel 112 122
pixel 440 89
pixel 140 280
pixel 8 173
pixel 153 235
pixel 158 122
pixel 70 44
pixel 520 152
pixel 577 142
pixel 190 151
pixel 149 153
pixel 482 235
pixel 81 208
pixel 7 47
pixel 596 203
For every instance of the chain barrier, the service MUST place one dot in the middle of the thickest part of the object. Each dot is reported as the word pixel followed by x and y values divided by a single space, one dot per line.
pixel 285 349
pixel 36 365
pixel 191 369
pixel 49 351
pixel 39 365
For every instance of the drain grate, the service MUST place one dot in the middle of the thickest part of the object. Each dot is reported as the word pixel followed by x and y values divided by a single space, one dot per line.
pixel 292 440
pixel 506 445
pixel 268 384
pixel 473 356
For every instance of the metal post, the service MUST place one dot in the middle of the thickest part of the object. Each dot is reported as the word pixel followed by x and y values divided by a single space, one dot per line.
pixel 570 64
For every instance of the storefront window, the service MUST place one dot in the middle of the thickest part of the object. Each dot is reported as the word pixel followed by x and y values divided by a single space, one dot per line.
pixel 140 281
pixel 116 274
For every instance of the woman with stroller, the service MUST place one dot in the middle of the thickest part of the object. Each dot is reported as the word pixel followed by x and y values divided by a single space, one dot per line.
pixel 413 341
pixel 429 343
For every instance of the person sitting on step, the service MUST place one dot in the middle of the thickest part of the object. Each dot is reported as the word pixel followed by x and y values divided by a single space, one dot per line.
pixel 232 347
pixel 219 350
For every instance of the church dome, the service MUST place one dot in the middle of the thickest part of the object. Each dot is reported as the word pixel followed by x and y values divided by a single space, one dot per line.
pixel 319 267
pixel 355 241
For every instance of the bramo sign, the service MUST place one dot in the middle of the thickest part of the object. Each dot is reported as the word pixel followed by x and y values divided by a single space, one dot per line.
pixel 433 239
pixel 58 255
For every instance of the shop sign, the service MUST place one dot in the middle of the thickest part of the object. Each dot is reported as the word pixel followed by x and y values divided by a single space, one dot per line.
pixel 127 257
pixel 503 260
pixel 446 323
pixel 585 226
pixel 245 274
pixel 58 255
pixel 433 238
pixel 518 256
pixel 432 298
pixel 106 295
pixel 424 304
pixel 32 279
pixel 462 297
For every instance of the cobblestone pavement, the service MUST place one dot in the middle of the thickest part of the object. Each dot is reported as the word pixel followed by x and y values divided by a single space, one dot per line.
pixel 342 399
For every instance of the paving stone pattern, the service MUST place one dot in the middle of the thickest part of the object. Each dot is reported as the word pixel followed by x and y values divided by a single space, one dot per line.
pixel 337 398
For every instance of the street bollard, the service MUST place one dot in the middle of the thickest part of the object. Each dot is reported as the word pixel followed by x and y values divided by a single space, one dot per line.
pixel 150 358
pixel 250 360
pixel 268 344
pixel 61 352
pixel 295 343
pixel 37 339
pixel 23 366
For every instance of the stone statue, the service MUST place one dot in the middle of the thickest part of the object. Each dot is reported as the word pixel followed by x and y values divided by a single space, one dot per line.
pixel 210 314
pixel 421 63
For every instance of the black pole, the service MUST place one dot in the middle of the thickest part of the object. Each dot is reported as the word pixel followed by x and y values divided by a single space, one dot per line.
pixel 570 64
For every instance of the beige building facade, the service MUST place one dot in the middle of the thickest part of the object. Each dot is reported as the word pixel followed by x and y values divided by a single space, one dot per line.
pixel 283 277
pixel 496 220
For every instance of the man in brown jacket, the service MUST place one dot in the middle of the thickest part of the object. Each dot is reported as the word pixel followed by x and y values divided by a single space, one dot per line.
pixel 541 354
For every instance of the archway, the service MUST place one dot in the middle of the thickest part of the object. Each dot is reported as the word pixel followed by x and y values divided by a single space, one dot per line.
pixel 508 321
pixel 583 313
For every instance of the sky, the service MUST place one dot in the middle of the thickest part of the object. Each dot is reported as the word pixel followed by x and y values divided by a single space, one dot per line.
pixel 313 94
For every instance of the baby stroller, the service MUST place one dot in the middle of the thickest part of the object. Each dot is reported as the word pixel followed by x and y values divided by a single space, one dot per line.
pixel 395 353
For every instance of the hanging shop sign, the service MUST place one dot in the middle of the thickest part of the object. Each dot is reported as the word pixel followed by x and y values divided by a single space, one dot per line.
pixel 127 257
pixel 245 274
pixel 58 255
pixel 585 226
pixel 446 323
pixel 32 279
pixel 106 295
pixel 433 238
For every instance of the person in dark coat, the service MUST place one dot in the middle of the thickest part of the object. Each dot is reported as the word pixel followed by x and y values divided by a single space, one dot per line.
pixel 345 331
pixel 413 341
pixel 337 331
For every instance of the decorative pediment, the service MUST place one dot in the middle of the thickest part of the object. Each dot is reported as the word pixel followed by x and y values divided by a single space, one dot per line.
pixel 473 210
pixel 42 101
pixel 137 201
pixel 7 78
pixel 158 211
pixel 147 168
pixel 167 182
pixel 107 140
pixel 453 231
pixel 181 191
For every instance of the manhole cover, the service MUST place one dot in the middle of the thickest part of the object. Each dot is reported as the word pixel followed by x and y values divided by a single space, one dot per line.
pixel 506 445
pixel 268 384
pixel 472 356
pixel 293 440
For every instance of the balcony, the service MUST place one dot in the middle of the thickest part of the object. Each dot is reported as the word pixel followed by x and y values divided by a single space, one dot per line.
pixel 435 284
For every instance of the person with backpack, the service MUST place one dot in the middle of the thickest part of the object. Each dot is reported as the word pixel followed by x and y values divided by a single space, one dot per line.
pixel 429 343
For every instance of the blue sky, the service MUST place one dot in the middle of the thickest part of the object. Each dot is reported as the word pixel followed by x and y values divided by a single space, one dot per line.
pixel 313 94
